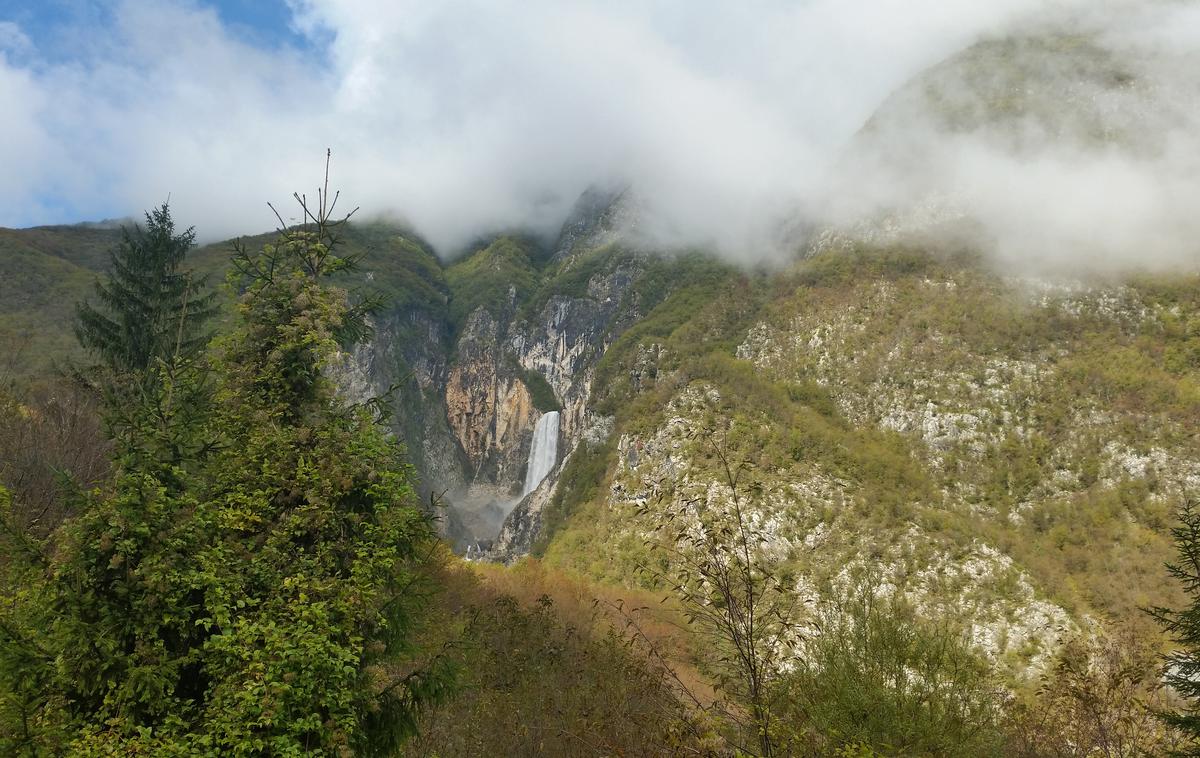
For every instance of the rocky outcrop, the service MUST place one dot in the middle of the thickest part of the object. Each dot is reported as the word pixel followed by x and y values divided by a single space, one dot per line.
pixel 566 340
pixel 466 397
pixel 523 524
pixel 806 523
pixel 563 344
pixel 489 406
pixel 405 362
pixel 600 216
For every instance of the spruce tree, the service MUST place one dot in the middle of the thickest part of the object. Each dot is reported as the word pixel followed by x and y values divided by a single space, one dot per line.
pixel 148 307
pixel 145 332
pixel 1183 625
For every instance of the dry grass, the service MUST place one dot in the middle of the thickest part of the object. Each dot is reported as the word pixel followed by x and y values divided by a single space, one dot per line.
pixel 653 620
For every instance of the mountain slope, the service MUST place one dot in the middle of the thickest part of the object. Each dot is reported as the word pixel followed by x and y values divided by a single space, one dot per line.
pixel 43 272
pixel 1004 450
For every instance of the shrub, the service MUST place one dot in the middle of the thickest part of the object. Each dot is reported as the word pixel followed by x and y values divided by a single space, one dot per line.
pixel 533 683
pixel 874 675
pixel 1100 697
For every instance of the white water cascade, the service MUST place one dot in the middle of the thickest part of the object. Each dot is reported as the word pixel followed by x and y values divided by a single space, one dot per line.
pixel 543 453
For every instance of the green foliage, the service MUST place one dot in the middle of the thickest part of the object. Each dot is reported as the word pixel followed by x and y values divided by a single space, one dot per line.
pixel 778 427
pixel 875 675
pixel 44 271
pixel 497 278
pixel 1101 697
pixel 693 306
pixel 246 586
pixel 30 711
pixel 404 272
pixel 743 608
pixel 148 309
pixel 1183 625
pixel 1050 380
pixel 37 296
pixel 540 391
pixel 580 481
pixel 571 277
pixel 1102 548
pixel 844 267
pixel 86 246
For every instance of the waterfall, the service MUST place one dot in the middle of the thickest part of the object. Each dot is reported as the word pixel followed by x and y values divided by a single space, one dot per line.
pixel 543 453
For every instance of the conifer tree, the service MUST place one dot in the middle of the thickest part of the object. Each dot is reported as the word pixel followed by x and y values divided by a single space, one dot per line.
pixel 146 332
pixel 1183 625
pixel 148 308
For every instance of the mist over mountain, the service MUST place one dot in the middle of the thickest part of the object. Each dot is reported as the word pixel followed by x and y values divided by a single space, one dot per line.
pixel 736 128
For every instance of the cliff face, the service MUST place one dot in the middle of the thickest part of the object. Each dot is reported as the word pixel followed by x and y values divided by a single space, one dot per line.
pixel 507 334
pixel 405 363
pixel 564 344
pixel 488 406
pixel 565 340
pixel 491 408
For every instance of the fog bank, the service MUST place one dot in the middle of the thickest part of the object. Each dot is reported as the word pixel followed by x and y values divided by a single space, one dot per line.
pixel 736 124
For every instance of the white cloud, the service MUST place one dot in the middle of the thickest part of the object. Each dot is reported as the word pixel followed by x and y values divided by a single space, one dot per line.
pixel 13 39
pixel 470 115
pixel 26 152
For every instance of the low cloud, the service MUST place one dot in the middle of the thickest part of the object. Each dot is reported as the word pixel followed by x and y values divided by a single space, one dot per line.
pixel 734 123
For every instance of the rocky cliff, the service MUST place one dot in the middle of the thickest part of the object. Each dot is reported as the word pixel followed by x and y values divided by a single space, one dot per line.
pixel 516 328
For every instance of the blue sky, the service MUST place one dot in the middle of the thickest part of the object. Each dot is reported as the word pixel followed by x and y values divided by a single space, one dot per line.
pixel 51 24
pixel 268 22
pixel 41 36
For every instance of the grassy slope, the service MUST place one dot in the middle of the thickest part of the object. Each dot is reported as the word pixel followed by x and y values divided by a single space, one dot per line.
pixel 86 246
pixel 497 277
pixel 43 273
